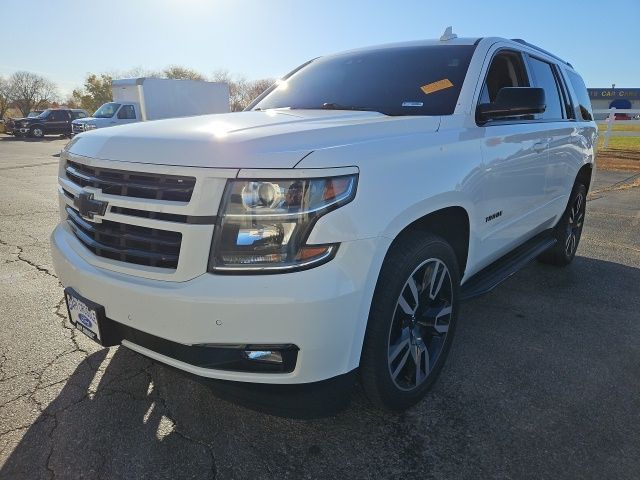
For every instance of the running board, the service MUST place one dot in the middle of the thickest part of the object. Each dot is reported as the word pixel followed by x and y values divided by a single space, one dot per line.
pixel 494 274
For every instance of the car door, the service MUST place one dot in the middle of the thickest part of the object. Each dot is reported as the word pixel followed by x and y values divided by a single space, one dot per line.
pixel 126 114
pixel 559 117
pixel 515 159
pixel 57 121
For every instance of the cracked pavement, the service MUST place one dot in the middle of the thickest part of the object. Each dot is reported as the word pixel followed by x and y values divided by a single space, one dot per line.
pixel 542 381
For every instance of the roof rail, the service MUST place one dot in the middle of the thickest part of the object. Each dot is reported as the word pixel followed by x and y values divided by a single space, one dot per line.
pixel 542 50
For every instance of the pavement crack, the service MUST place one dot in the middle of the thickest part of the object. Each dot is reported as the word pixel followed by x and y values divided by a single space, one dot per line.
pixel 48 462
pixel 3 360
pixel 27 261
pixel 60 312
pixel 180 433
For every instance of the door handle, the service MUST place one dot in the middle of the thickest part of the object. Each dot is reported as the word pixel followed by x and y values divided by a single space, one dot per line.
pixel 540 146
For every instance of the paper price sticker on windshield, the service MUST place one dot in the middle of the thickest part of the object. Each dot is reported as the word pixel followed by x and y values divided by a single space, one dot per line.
pixel 436 86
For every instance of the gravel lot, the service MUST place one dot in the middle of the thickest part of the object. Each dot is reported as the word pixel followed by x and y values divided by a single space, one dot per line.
pixel 543 380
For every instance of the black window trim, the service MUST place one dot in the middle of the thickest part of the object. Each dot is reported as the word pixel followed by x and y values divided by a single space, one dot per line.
pixel 564 91
pixel 524 54
pixel 573 95
pixel 559 86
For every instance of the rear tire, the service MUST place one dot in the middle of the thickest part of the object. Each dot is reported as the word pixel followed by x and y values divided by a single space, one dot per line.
pixel 411 323
pixel 568 230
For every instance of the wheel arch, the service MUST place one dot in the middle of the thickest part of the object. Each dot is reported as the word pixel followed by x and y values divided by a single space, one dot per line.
pixel 584 175
pixel 450 223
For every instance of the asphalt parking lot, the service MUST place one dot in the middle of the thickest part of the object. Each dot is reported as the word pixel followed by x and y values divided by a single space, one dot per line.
pixel 543 380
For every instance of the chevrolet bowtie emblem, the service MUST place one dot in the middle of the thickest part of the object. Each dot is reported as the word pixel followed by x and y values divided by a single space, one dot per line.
pixel 88 207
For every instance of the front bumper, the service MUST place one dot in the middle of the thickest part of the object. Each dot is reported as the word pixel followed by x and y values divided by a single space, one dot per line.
pixel 323 311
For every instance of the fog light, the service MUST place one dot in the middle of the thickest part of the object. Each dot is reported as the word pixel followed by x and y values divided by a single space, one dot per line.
pixel 265 356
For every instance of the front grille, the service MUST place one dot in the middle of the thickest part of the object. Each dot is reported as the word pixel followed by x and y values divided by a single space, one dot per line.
pixel 132 184
pixel 167 217
pixel 127 243
pixel 77 128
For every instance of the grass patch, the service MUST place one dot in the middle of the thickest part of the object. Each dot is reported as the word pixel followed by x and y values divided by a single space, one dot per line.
pixel 620 143
pixel 619 127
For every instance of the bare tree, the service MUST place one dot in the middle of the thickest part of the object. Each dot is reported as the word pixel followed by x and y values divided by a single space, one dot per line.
pixel 30 91
pixel 5 97
pixel 241 91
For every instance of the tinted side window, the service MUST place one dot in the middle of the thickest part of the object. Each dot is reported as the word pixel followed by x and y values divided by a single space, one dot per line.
pixel 78 114
pixel 584 104
pixel 127 112
pixel 506 70
pixel 545 78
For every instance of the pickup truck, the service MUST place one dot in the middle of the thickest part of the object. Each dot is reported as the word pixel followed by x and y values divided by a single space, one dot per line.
pixel 331 230
pixel 49 122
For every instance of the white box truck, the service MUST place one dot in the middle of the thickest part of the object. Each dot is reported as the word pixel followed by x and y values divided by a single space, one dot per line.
pixel 141 99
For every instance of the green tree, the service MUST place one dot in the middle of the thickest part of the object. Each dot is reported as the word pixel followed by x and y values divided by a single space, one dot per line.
pixel 96 91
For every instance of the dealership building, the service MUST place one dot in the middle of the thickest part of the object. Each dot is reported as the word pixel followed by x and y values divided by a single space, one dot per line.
pixel 618 98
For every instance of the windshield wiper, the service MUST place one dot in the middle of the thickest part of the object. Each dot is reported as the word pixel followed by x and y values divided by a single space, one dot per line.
pixel 338 106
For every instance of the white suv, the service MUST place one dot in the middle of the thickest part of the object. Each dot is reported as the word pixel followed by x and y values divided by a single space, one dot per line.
pixel 334 227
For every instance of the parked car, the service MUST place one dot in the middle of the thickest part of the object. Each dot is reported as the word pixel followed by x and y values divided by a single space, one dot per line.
pixel 49 122
pixel 141 99
pixel 334 228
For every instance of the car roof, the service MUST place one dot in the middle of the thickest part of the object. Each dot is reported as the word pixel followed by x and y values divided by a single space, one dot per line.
pixel 516 43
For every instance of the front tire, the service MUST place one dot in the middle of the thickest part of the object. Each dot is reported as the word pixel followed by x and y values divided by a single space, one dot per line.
pixel 37 132
pixel 411 323
pixel 569 230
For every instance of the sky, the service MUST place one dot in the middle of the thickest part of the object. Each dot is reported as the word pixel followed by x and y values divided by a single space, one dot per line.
pixel 65 40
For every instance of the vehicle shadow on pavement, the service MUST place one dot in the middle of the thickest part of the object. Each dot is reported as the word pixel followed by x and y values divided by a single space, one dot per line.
pixel 527 393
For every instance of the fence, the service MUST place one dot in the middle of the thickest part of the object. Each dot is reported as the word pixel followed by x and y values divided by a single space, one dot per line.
pixel 624 117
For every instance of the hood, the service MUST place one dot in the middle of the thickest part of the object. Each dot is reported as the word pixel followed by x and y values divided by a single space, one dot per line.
pixel 85 120
pixel 269 139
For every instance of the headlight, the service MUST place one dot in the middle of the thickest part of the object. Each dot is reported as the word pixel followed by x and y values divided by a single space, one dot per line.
pixel 264 224
pixel 24 124
pixel 89 126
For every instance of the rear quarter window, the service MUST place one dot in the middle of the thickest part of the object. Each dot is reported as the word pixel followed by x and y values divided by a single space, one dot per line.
pixel 583 104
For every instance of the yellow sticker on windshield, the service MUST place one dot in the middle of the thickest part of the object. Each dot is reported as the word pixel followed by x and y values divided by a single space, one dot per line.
pixel 436 86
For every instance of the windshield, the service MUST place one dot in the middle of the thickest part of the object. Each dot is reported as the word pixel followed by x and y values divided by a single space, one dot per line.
pixel 35 113
pixel 44 114
pixel 423 80
pixel 107 110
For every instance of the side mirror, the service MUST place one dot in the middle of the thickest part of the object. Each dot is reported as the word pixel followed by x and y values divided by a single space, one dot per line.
pixel 513 102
